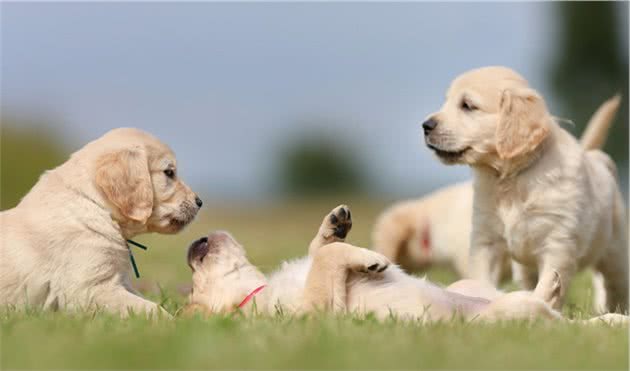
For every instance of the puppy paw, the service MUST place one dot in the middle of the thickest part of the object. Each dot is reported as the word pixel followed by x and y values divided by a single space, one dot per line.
pixel 611 319
pixel 337 224
pixel 368 261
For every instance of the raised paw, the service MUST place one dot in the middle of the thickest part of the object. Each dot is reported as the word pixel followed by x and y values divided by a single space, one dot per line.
pixel 368 261
pixel 337 224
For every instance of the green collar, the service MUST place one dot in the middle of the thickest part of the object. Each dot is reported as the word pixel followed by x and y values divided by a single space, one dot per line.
pixel 133 261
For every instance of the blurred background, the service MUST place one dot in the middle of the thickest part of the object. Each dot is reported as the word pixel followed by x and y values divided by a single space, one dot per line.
pixel 287 109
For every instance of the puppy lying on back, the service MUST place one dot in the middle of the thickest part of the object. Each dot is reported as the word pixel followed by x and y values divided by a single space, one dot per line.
pixel 548 202
pixel 435 229
pixel 64 245
pixel 339 277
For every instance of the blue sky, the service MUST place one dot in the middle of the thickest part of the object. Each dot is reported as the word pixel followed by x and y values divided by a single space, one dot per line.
pixel 226 84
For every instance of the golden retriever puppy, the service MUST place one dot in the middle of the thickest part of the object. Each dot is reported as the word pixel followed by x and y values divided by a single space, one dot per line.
pixel 64 245
pixel 432 230
pixel 542 198
pixel 339 277
pixel 435 229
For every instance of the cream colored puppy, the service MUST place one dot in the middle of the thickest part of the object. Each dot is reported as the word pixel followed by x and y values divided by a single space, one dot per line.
pixel 64 245
pixel 432 230
pixel 339 277
pixel 540 197
pixel 435 229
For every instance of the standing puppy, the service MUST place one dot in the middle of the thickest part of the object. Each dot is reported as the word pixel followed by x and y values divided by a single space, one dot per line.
pixel 64 245
pixel 435 229
pixel 547 201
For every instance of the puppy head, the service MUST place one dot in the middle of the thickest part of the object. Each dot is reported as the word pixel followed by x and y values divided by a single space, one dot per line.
pixel 137 174
pixel 222 275
pixel 490 117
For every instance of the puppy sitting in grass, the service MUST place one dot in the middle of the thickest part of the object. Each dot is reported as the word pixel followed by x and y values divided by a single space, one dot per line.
pixel 338 277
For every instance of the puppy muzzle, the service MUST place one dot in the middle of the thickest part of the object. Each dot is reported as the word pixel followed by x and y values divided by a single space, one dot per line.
pixel 198 250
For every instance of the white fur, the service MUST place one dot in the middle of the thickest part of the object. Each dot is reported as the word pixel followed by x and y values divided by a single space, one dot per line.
pixel 346 279
pixel 540 197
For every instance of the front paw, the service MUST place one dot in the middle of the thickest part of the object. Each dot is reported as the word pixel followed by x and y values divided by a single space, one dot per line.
pixel 370 262
pixel 337 224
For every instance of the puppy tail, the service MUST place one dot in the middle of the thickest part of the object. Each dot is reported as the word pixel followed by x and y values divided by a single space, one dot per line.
pixel 596 132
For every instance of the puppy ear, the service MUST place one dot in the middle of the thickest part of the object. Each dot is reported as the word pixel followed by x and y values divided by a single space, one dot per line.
pixel 523 125
pixel 124 178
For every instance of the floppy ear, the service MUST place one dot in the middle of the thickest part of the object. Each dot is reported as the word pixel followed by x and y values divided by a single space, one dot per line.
pixel 523 124
pixel 124 178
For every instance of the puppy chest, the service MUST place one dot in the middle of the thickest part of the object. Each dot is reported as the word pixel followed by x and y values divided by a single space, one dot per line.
pixel 522 232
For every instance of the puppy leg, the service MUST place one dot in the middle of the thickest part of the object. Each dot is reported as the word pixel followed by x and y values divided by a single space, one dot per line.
pixel 614 269
pixel 120 300
pixel 610 319
pixel 599 293
pixel 486 262
pixel 525 305
pixel 519 305
pixel 525 276
pixel 555 277
pixel 325 287
pixel 334 228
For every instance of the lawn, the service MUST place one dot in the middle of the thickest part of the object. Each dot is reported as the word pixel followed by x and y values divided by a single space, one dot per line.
pixel 272 233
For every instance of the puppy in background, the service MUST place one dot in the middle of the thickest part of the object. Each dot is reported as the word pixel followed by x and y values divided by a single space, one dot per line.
pixel 548 202
pixel 432 230
pixel 435 229
pixel 64 245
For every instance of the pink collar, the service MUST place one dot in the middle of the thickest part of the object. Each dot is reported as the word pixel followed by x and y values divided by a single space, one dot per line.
pixel 251 295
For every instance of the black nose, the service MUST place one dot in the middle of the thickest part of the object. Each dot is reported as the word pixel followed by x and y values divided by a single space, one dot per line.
pixel 197 251
pixel 429 125
pixel 198 201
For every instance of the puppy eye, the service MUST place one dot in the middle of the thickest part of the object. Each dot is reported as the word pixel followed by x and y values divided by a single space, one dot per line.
pixel 169 173
pixel 467 106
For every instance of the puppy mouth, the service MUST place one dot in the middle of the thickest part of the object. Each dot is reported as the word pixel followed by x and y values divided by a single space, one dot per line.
pixel 178 222
pixel 448 155
pixel 198 250
pixel 186 215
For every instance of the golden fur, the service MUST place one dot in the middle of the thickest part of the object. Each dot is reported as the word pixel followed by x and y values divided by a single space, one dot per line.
pixel 64 245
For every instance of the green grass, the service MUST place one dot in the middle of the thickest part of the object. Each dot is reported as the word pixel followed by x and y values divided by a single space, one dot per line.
pixel 40 340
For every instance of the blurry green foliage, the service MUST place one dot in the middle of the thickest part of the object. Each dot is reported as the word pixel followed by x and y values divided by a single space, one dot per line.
pixel 25 152
pixel 589 65
pixel 319 165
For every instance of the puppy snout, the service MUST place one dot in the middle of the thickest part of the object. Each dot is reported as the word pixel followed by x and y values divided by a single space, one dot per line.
pixel 429 125
pixel 198 201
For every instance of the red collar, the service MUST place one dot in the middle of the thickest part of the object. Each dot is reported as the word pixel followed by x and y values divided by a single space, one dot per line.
pixel 251 295
pixel 425 239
